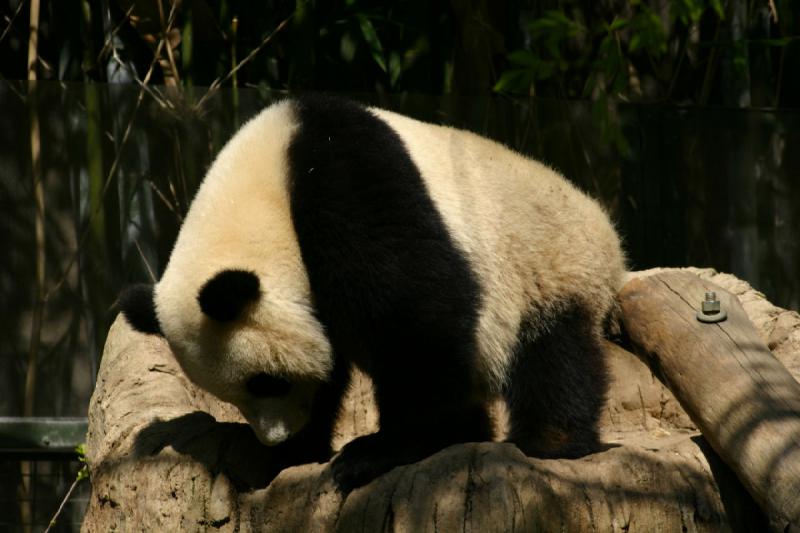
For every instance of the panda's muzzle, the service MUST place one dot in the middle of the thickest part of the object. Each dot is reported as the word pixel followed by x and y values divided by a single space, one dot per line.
pixel 224 296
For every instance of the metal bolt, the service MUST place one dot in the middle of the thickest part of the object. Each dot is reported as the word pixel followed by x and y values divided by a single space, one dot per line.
pixel 711 304
pixel 710 309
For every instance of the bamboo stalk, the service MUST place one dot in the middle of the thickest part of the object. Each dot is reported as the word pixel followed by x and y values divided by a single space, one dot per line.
pixel 187 47
pixel 29 400
pixel 219 81
pixel 39 210
pixel 170 70
pixel 112 171
pixel 11 20
pixel 234 79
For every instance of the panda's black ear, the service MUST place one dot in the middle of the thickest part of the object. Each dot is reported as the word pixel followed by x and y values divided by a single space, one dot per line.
pixel 225 296
pixel 139 308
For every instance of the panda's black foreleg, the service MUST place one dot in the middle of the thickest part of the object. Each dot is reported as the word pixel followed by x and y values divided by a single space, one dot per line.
pixel 557 387
pixel 371 456
pixel 415 423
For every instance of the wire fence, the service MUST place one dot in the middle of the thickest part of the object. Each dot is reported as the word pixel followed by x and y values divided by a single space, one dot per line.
pixel 38 465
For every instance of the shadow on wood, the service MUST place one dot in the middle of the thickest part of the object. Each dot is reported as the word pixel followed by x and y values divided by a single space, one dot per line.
pixel 164 455
pixel 742 398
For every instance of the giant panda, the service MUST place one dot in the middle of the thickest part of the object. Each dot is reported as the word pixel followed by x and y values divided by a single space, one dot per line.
pixel 450 269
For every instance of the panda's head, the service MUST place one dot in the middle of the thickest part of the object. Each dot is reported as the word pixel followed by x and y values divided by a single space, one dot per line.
pixel 267 362
pixel 234 302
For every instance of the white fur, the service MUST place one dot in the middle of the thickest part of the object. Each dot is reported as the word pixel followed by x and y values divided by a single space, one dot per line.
pixel 534 240
pixel 240 219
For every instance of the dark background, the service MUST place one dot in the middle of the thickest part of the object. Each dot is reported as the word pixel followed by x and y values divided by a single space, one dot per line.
pixel 681 116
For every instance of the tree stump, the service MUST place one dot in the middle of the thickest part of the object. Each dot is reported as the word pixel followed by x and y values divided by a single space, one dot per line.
pixel 164 455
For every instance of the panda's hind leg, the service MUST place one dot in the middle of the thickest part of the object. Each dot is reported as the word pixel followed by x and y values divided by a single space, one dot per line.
pixel 557 387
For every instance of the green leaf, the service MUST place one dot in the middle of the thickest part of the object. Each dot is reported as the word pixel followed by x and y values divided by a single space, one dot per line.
pixel 635 42
pixel 611 64
pixel 555 26
pixel 687 11
pixel 371 38
pixel 588 87
pixel 717 5
pixel 647 33
pixel 83 473
pixel 537 68
pixel 740 57
pixel 395 68
pixel 514 80
pixel 347 47
pixel 617 24
pixel 523 58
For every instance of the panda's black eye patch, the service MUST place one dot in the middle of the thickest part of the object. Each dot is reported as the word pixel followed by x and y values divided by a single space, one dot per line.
pixel 265 386
pixel 225 295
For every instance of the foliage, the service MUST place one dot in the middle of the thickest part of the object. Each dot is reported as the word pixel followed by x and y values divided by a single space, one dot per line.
pixel 603 54
pixel 644 50
pixel 83 473
pixel 651 51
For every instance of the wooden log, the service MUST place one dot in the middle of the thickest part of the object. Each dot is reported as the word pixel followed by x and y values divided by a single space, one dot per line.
pixel 166 456
pixel 744 401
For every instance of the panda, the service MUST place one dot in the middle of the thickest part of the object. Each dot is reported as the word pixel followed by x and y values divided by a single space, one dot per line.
pixel 450 269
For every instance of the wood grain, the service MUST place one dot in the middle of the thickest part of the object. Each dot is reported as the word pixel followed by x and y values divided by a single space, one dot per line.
pixel 744 401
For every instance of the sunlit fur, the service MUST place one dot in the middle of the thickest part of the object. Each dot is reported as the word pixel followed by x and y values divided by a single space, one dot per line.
pixel 536 245
pixel 535 241
pixel 239 219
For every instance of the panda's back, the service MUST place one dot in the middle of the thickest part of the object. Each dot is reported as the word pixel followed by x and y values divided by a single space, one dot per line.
pixel 536 242
pixel 532 244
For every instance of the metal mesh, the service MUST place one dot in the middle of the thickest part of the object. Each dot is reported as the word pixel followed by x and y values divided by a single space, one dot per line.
pixel 32 490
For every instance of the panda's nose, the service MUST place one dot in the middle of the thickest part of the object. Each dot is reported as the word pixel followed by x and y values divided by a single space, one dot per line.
pixel 224 296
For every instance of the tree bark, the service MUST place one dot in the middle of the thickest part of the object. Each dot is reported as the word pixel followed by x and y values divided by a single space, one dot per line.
pixel 742 398
pixel 164 455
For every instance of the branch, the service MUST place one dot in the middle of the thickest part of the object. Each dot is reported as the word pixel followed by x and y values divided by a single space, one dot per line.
pixel 219 81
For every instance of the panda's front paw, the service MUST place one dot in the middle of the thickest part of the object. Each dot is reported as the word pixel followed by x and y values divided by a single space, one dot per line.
pixel 360 462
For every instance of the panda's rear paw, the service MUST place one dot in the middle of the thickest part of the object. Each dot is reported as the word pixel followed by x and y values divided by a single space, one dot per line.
pixel 360 462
